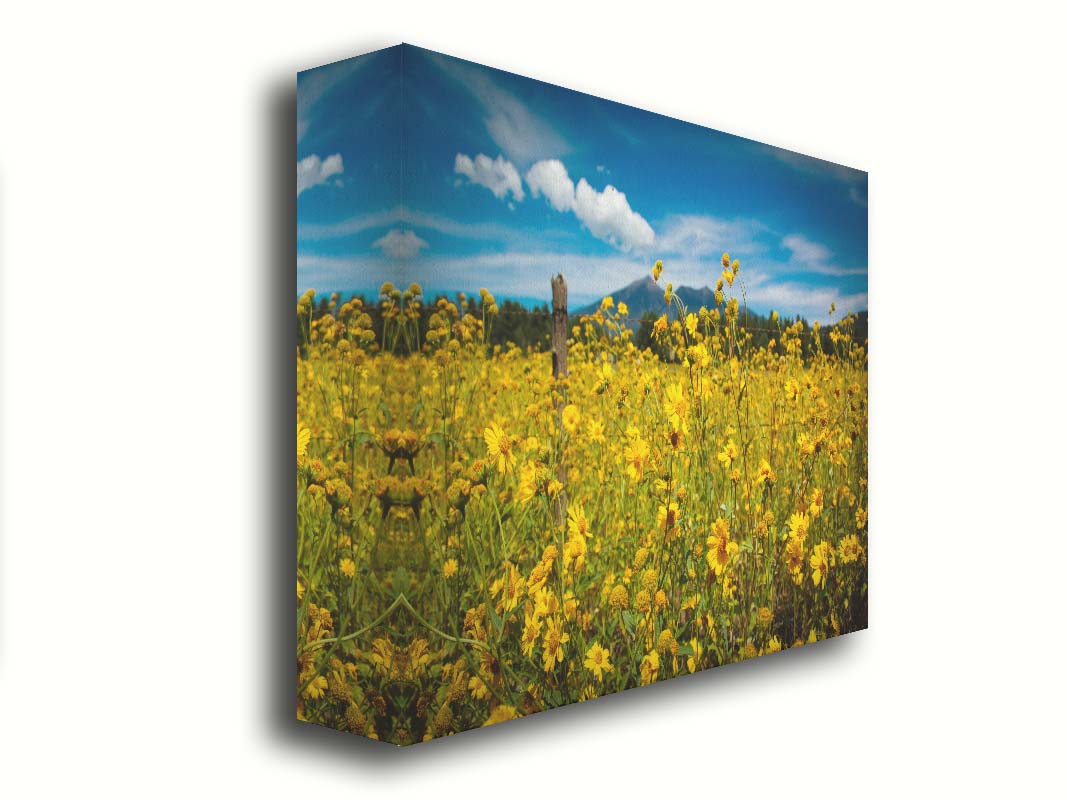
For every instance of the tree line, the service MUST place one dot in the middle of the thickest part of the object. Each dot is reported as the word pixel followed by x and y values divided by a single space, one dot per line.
pixel 531 328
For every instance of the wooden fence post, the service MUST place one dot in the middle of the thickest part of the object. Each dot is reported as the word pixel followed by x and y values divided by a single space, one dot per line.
pixel 559 371
pixel 559 326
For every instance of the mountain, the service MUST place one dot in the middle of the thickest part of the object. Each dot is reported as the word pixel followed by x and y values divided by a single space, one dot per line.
pixel 644 295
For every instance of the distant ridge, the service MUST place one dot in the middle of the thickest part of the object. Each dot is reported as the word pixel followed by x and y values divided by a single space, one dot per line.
pixel 644 295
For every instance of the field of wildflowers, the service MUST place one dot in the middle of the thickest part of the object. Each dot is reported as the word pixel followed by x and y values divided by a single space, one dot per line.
pixel 478 540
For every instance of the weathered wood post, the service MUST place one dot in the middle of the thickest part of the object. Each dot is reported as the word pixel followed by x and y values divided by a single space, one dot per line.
pixel 559 373
pixel 559 327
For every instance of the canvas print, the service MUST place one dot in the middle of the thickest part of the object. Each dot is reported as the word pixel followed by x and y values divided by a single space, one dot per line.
pixel 581 397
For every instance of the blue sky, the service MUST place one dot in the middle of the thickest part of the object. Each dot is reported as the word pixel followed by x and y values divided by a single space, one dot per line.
pixel 413 165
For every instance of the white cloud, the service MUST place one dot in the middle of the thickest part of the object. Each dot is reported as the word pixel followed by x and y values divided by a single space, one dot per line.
pixel 765 291
pixel 703 236
pixel 401 215
pixel 607 214
pixel 498 176
pixel 343 274
pixel 489 231
pixel 312 171
pixel 337 230
pixel 522 135
pixel 804 250
pixel 550 178
pixel 810 256
pixel 400 244
pixel 812 303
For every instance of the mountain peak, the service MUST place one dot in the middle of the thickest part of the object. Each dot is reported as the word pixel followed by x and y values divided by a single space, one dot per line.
pixel 644 295
pixel 643 282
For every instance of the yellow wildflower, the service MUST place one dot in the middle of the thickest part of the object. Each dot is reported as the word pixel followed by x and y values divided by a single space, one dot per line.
pixel 728 454
pixel 502 713
pixel 577 524
pixel 572 418
pixel 636 456
pixel 531 631
pixel 316 689
pixel 500 448
pixel 720 548
pixel 649 668
pixel 822 558
pixel 676 404
pixel 693 661
pixel 765 475
pixel 597 661
pixel 849 549
pixel 303 437
pixel 554 640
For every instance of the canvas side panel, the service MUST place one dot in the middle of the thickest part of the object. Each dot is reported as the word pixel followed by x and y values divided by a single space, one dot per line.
pixel 349 242
pixel 348 175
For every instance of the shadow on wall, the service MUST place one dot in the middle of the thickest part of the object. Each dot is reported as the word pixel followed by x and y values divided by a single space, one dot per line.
pixel 276 593
pixel 277 508
pixel 3 432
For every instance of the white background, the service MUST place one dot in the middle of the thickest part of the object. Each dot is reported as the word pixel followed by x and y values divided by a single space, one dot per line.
pixel 146 174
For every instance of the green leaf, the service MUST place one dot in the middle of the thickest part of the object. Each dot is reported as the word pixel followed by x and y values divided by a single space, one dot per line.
pixel 494 617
